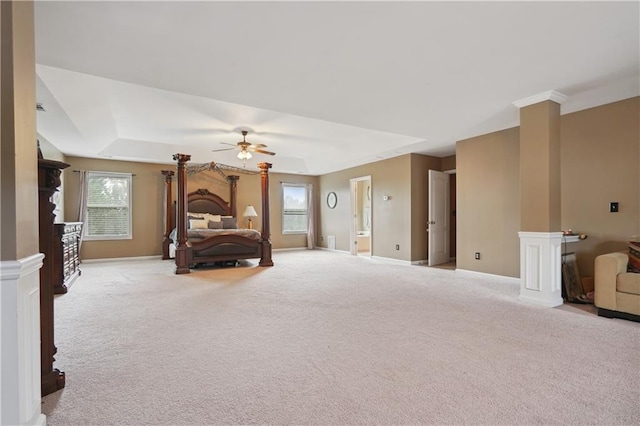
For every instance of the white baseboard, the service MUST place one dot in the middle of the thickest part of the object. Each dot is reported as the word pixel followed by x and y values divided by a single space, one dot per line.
pixel 426 261
pixel 539 302
pixel 121 259
pixel 328 249
pixel 290 249
pixel 503 278
pixel 41 420
pixel 391 259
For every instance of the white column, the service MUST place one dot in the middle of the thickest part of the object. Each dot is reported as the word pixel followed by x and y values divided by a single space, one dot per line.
pixel 540 268
pixel 20 342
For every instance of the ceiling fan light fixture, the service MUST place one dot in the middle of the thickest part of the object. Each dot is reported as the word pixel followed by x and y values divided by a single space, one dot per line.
pixel 244 155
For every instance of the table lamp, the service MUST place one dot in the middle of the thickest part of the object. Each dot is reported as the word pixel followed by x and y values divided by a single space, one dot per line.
pixel 250 212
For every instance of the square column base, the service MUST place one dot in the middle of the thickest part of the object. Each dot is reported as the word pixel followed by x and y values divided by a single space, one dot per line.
pixel 540 268
pixel 20 399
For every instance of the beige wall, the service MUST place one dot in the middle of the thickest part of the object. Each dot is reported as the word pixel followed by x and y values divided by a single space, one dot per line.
pixel 488 203
pixel 18 150
pixel 540 167
pixel 148 204
pixel 278 239
pixel 391 219
pixel 448 163
pixel 599 157
pixel 249 192
pixel 600 164
pixel 400 220
pixel 420 166
pixel 593 173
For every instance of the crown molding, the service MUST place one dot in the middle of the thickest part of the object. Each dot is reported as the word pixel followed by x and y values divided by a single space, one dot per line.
pixel 551 95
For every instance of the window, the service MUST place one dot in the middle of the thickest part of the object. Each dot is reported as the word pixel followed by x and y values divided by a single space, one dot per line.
pixel 294 209
pixel 108 206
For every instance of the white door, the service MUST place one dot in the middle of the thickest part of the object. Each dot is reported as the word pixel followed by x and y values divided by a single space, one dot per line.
pixel 438 224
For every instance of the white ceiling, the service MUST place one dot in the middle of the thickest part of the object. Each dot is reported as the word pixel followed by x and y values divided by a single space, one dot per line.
pixel 326 85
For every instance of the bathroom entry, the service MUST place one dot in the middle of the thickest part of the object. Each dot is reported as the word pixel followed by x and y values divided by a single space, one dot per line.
pixel 361 213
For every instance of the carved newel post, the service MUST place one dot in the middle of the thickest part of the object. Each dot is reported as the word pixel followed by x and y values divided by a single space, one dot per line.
pixel 265 260
pixel 49 172
pixel 182 263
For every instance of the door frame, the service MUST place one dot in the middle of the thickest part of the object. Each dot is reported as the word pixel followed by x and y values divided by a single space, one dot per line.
pixel 353 223
pixel 438 219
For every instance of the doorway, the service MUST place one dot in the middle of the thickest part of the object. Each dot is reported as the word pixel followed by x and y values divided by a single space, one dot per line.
pixel 361 235
pixel 442 218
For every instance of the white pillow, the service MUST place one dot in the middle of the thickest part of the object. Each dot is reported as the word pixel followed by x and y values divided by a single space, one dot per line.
pixel 213 217
pixel 198 224
pixel 206 216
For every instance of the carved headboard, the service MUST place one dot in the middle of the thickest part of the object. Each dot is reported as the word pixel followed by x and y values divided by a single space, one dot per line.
pixel 203 201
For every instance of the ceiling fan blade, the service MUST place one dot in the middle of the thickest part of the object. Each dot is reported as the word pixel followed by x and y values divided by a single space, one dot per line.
pixel 230 144
pixel 257 146
pixel 222 149
pixel 262 151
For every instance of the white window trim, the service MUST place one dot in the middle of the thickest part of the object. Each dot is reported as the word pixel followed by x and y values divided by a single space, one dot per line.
pixel 129 236
pixel 300 185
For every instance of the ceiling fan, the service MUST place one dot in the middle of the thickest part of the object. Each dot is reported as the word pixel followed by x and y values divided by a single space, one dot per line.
pixel 245 148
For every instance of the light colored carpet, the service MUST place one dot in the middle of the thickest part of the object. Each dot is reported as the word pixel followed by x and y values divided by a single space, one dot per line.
pixel 328 338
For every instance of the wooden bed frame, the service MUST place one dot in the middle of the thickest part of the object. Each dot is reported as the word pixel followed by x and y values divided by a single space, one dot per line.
pixel 217 248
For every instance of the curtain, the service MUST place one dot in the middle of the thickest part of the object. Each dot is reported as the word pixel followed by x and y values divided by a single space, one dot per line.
pixel 164 209
pixel 311 226
pixel 82 205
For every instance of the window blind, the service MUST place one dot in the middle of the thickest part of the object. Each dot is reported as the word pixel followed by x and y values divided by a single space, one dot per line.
pixel 109 205
pixel 294 208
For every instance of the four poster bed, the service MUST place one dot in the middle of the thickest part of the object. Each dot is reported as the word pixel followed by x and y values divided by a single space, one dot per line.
pixel 206 240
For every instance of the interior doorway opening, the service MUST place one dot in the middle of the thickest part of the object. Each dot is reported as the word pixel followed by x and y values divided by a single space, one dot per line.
pixel 361 235
pixel 441 223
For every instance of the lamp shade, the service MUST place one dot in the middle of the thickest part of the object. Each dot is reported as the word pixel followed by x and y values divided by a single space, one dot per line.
pixel 250 212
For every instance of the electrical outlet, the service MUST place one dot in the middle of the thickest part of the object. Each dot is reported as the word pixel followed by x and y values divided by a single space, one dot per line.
pixel 397 246
pixel 321 238
pixel 477 255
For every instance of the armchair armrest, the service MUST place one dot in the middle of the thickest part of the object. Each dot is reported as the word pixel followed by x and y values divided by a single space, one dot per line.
pixel 607 268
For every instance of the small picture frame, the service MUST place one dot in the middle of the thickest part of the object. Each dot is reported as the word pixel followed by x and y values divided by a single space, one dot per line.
pixel 332 200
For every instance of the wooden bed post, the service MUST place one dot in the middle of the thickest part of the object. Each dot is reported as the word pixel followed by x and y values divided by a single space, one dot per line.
pixel 266 259
pixel 168 224
pixel 233 187
pixel 182 263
